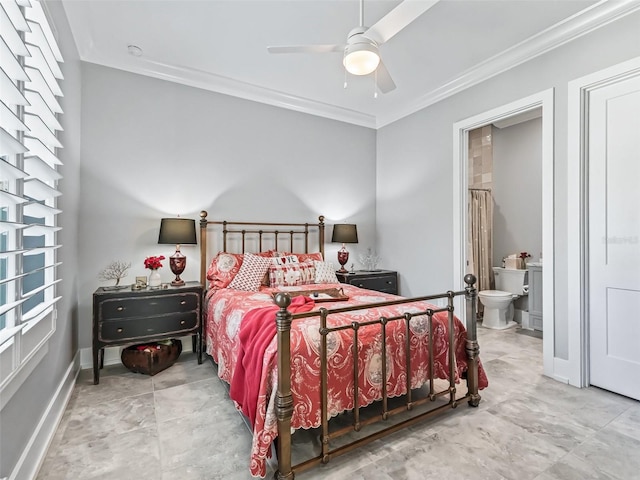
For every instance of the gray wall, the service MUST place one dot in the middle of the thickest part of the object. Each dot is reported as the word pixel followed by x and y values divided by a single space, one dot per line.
pixel 517 190
pixel 21 415
pixel 152 148
pixel 415 170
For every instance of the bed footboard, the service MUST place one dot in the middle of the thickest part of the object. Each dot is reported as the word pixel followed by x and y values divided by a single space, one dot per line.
pixel 284 399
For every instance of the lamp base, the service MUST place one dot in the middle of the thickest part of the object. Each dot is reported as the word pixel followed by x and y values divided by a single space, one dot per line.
pixel 177 263
pixel 343 258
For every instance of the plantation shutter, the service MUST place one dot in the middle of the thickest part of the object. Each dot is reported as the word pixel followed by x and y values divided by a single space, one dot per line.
pixel 29 124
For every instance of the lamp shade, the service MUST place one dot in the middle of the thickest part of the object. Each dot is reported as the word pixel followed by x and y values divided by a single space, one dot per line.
pixel 177 231
pixel 345 233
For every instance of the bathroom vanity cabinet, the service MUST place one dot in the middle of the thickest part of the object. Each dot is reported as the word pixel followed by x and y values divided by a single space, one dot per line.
pixel 535 296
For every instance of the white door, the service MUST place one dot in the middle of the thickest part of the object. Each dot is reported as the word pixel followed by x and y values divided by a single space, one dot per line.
pixel 614 236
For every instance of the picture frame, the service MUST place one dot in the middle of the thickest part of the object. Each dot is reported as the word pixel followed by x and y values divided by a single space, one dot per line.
pixel 141 282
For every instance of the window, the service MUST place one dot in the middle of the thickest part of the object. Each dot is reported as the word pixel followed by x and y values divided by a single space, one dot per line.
pixel 29 122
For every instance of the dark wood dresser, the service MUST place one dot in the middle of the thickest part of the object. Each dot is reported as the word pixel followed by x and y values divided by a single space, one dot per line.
pixel 122 317
pixel 381 280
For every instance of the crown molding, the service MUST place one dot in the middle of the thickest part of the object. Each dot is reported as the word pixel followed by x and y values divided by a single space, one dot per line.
pixel 583 22
pixel 235 88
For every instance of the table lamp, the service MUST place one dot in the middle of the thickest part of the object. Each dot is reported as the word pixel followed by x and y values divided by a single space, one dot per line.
pixel 177 231
pixel 344 233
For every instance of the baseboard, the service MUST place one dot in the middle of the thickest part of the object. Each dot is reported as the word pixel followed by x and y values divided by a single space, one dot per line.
pixel 34 454
pixel 112 354
pixel 561 371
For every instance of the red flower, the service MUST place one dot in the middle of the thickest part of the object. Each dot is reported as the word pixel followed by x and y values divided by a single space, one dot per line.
pixel 524 255
pixel 153 263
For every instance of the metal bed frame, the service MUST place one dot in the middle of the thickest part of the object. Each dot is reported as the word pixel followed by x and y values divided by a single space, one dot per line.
pixel 284 319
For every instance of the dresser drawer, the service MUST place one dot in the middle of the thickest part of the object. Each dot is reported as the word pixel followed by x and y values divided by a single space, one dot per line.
pixel 381 283
pixel 148 306
pixel 151 327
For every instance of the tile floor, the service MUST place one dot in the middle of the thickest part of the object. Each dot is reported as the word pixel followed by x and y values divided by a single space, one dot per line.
pixel 180 424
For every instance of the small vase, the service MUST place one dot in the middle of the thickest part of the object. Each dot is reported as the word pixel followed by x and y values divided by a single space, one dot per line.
pixel 154 279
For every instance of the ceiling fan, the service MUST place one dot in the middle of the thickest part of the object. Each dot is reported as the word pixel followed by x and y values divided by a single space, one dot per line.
pixel 361 55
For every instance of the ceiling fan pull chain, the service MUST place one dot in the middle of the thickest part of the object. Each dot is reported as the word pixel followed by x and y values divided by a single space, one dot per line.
pixel 345 76
pixel 375 83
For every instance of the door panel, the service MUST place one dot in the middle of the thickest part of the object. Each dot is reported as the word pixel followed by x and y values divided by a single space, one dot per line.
pixel 614 236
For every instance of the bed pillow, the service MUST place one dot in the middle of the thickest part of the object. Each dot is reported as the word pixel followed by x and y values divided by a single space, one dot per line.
pixel 223 269
pixel 251 273
pixel 292 274
pixel 269 254
pixel 285 259
pixel 325 272
pixel 308 257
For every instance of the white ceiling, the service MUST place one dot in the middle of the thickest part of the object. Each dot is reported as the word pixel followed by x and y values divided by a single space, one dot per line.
pixel 221 46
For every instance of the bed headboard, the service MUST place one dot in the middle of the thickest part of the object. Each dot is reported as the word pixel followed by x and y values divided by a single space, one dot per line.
pixel 240 237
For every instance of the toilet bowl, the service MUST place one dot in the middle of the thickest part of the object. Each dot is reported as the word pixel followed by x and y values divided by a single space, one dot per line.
pixel 498 304
pixel 498 308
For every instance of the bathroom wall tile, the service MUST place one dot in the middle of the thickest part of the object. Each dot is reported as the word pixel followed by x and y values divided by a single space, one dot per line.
pixel 487 152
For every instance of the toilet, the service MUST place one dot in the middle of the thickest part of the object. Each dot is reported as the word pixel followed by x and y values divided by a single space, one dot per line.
pixel 498 304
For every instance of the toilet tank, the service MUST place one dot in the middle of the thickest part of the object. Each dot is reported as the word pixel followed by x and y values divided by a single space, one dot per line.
pixel 510 280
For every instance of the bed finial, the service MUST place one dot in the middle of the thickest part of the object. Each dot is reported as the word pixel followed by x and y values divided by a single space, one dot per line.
pixel 283 300
pixel 321 219
pixel 470 280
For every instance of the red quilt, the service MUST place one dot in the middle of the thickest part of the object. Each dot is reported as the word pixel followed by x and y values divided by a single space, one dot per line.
pixel 226 311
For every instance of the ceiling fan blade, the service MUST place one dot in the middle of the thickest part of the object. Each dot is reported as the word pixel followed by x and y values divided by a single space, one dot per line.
pixel 398 18
pixel 383 79
pixel 307 49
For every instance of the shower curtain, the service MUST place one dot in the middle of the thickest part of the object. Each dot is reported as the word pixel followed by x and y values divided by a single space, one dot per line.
pixel 480 233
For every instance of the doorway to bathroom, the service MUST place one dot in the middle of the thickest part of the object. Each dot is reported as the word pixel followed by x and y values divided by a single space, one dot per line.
pixel 505 219
pixel 466 176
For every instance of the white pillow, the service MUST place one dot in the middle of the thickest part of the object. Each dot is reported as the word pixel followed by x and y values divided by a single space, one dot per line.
pixel 251 273
pixel 325 272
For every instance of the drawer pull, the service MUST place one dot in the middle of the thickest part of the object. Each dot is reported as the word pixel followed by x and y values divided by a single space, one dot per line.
pixel 389 282
pixel 119 330
pixel 361 285
pixel 183 302
pixel 182 322
pixel 120 308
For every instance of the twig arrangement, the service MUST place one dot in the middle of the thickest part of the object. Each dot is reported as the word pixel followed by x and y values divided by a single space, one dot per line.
pixel 116 270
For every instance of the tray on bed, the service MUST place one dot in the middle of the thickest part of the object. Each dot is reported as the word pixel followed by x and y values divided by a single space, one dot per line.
pixel 322 295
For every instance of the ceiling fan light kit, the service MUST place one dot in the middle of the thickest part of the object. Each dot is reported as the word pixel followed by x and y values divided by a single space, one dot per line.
pixel 361 58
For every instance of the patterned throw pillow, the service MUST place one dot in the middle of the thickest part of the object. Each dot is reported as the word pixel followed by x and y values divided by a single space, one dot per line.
pixel 325 272
pixel 287 259
pixel 292 274
pixel 251 273
pixel 223 269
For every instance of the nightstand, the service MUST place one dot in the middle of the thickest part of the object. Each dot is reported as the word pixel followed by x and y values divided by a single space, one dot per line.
pixel 380 280
pixel 122 317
